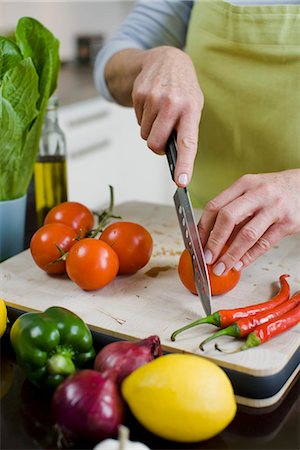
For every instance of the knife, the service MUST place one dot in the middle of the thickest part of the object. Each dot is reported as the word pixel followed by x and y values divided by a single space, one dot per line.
pixel 189 230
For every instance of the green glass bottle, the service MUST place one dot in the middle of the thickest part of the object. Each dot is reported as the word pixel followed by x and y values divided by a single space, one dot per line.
pixel 50 171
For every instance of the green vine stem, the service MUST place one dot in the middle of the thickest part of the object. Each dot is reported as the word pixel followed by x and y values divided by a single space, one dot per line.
pixel 105 216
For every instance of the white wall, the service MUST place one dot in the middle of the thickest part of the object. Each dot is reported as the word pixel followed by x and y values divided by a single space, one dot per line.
pixel 67 19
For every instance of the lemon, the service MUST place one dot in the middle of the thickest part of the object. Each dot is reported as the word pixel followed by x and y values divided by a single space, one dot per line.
pixel 181 397
pixel 3 317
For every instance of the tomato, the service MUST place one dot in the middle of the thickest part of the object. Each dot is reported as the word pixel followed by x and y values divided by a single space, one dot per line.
pixel 73 214
pixel 43 246
pixel 223 283
pixel 92 264
pixel 185 271
pixel 132 243
pixel 219 284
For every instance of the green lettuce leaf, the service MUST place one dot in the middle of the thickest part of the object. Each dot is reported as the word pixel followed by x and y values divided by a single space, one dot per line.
pixel 10 147
pixel 38 43
pixel 10 56
pixel 28 77
pixel 20 88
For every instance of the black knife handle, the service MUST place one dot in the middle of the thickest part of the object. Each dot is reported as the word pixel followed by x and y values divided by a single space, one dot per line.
pixel 171 152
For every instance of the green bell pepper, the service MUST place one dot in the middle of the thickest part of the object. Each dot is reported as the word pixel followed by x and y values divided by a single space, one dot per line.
pixel 51 345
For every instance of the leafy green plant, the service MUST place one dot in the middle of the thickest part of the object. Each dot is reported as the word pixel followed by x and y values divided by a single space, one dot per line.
pixel 29 70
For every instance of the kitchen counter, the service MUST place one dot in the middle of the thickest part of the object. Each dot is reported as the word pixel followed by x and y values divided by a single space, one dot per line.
pixel 26 420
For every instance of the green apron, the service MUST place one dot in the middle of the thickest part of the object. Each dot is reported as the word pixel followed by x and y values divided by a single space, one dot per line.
pixel 247 60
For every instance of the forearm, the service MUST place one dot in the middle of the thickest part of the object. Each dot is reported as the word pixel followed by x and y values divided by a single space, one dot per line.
pixel 120 73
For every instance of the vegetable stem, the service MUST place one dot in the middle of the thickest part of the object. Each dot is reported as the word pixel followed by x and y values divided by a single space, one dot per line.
pixel 232 330
pixel 63 256
pixel 123 436
pixel 61 364
pixel 213 319
pixel 105 216
pixel 252 341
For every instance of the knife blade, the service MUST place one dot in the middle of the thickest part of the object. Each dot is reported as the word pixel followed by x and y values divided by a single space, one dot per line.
pixel 189 230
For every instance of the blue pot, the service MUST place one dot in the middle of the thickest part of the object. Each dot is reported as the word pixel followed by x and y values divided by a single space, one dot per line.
pixel 12 227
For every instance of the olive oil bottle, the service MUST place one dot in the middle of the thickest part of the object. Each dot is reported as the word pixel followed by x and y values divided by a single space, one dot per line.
pixel 50 171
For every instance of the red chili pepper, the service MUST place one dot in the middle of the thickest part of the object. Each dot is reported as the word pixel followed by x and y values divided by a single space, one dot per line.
pixel 225 317
pixel 268 330
pixel 241 328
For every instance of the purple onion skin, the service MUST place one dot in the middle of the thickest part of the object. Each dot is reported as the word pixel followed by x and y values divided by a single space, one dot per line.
pixel 121 358
pixel 88 406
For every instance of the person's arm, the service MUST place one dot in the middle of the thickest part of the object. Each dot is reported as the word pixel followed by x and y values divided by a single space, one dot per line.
pixel 150 24
pixel 153 73
pixel 120 73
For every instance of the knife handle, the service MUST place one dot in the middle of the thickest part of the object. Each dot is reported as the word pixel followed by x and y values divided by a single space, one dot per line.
pixel 171 152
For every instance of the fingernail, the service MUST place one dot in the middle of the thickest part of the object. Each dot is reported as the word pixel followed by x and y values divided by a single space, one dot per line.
pixel 219 269
pixel 238 265
pixel 183 179
pixel 208 256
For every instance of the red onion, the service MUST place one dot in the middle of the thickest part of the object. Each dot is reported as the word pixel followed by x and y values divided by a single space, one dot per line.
pixel 88 406
pixel 121 358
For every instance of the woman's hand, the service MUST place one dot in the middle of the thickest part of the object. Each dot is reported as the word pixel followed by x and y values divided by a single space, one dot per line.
pixel 255 213
pixel 166 96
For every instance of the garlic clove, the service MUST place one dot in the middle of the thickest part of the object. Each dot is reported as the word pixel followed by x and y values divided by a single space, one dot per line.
pixel 114 444
pixel 123 443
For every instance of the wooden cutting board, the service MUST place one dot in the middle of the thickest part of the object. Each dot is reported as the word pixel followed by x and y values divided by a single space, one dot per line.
pixel 153 301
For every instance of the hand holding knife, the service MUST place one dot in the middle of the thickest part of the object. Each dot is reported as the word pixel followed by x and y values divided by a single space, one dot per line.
pixel 189 230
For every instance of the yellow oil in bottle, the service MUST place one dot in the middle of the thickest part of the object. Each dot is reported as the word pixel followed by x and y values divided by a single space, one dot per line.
pixel 50 178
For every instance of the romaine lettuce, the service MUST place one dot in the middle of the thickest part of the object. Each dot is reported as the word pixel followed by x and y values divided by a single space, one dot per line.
pixel 29 70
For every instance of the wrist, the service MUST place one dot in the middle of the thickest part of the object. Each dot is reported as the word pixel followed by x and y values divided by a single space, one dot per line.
pixel 120 72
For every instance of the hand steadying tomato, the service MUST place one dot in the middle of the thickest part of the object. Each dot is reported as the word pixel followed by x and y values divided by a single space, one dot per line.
pixel 44 250
pixel 92 264
pixel 132 243
pixel 73 214
pixel 219 284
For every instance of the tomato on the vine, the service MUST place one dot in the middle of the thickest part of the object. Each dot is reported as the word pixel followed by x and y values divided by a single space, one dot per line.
pixel 92 264
pixel 219 284
pixel 74 214
pixel 132 243
pixel 44 246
